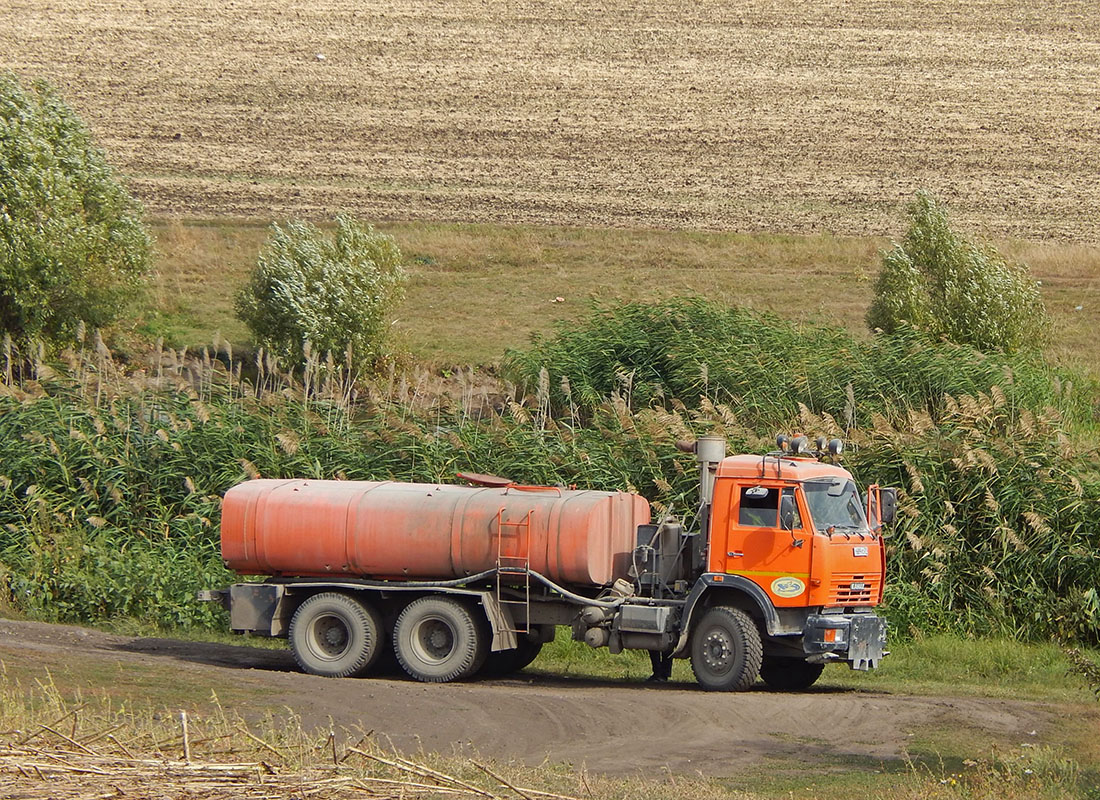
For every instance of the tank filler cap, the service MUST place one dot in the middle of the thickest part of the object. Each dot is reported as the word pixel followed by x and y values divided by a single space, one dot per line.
pixel 477 479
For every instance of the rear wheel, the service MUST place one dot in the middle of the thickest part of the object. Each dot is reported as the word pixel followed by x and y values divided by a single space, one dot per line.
pixel 790 674
pixel 439 639
pixel 335 635
pixel 726 650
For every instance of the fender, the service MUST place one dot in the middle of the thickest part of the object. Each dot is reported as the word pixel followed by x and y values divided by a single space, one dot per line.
pixel 714 581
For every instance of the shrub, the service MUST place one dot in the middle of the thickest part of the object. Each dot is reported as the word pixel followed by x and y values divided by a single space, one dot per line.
pixel 942 284
pixel 331 290
pixel 72 244
pixel 765 367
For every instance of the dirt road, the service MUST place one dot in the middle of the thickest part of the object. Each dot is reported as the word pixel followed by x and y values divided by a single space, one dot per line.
pixel 612 727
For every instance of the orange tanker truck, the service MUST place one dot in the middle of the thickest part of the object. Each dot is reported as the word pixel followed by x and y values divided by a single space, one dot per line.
pixel 781 578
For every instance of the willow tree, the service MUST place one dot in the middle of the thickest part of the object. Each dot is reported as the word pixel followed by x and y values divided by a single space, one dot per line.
pixel 938 281
pixel 73 247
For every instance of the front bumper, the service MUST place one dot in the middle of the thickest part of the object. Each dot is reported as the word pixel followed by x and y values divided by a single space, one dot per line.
pixel 859 639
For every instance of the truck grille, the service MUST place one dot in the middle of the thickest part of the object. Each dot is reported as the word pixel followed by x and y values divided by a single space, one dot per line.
pixel 853 590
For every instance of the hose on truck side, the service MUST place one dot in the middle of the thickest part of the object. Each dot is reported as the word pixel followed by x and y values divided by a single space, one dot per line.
pixel 580 599
pixel 409 584
pixel 576 598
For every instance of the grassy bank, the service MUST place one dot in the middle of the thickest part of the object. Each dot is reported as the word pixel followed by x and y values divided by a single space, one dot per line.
pixel 477 290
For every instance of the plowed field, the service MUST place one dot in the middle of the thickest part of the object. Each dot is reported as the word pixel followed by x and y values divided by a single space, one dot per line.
pixel 778 116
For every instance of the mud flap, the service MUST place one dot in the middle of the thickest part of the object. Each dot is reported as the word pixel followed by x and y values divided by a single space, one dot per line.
pixel 500 618
pixel 258 608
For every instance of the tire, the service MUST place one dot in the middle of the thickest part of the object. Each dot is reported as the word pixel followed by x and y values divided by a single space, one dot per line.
pixel 726 651
pixel 440 639
pixel 335 635
pixel 790 674
pixel 505 662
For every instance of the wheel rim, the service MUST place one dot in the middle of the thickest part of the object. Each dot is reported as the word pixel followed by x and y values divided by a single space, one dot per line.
pixel 433 640
pixel 330 637
pixel 718 652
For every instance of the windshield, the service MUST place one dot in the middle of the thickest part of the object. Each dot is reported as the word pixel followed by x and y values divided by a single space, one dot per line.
pixel 834 503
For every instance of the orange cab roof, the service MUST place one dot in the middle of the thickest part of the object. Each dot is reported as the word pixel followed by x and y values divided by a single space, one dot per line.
pixel 786 467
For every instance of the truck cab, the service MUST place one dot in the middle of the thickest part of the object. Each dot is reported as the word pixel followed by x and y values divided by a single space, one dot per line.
pixel 794 549
pixel 798 529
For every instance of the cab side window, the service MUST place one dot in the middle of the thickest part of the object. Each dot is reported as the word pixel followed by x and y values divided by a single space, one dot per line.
pixel 759 507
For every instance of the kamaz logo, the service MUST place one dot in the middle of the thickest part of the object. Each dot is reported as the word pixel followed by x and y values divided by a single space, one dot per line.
pixel 859 551
pixel 788 587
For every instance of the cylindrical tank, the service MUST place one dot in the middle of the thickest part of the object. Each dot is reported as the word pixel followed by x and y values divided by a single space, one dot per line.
pixel 415 531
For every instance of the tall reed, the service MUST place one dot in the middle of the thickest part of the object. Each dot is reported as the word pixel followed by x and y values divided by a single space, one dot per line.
pixel 111 476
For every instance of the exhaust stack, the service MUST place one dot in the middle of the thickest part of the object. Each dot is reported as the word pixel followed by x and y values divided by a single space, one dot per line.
pixel 709 451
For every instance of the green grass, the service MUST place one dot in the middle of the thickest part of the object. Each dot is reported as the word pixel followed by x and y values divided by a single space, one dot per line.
pixel 476 290
pixel 937 665
pixel 952 666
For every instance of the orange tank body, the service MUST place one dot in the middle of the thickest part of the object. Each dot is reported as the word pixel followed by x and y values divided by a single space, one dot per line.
pixel 412 531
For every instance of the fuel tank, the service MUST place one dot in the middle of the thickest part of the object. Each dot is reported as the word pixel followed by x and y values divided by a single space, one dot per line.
pixel 416 531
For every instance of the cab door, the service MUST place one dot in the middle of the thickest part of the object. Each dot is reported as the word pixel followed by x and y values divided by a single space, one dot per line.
pixel 761 548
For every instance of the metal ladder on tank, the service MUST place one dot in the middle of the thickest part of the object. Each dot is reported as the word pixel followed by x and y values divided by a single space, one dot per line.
pixel 515 565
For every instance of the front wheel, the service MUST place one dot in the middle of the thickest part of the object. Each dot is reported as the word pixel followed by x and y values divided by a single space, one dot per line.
pixel 440 639
pixel 790 674
pixel 726 651
pixel 335 635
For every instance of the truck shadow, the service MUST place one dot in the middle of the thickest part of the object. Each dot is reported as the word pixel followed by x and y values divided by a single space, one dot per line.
pixel 535 676
pixel 213 654
pixel 231 656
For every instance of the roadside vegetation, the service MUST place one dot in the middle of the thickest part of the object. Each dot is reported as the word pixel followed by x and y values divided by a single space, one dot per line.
pixel 111 478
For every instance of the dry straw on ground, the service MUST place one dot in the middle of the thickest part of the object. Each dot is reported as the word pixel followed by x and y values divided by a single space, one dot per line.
pixel 116 753
pixel 70 770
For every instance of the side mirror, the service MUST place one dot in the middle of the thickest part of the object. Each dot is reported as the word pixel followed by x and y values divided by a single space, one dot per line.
pixel 889 510
pixel 786 512
pixel 881 505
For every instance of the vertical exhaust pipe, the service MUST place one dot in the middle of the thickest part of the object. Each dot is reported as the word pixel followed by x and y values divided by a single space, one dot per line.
pixel 709 451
